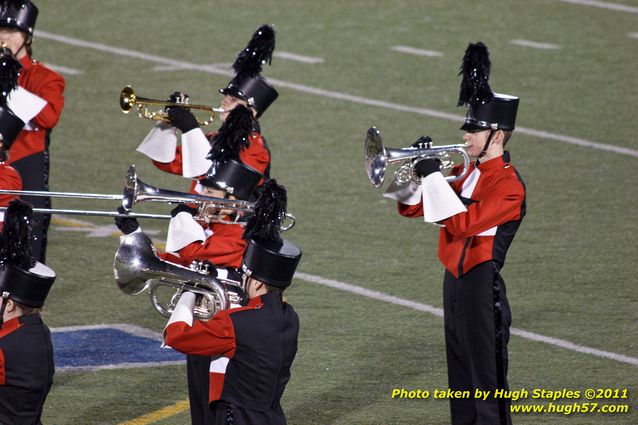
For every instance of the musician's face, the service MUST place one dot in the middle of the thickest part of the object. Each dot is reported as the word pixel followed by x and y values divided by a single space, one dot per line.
pixel 218 193
pixel 228 104
pixel 14 40
pixel 211 191
pixel 475 141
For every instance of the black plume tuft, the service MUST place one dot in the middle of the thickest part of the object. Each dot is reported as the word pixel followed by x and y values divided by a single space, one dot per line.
pixel 10 7
pixel 233 135
pixel 270 212
pixel 9 73
pixel 258 52
pixel 15 240
pixel 475 70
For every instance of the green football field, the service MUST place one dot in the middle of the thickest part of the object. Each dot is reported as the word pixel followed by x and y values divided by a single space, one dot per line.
pixel 368 291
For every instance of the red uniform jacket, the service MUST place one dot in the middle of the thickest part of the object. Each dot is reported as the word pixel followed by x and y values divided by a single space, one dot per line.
pixel 224 248
pixel 494 195
pixel 9 180
pixel 256 156
pixel 47 84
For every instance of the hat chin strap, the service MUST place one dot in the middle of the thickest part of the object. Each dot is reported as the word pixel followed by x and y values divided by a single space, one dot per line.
pixel 487 143
pixel 5 297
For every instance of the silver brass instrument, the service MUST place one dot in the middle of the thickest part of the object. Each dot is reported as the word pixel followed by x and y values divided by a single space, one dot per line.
pixel 378 158
pixel 129 100
pixel 137 267
pixel 135 191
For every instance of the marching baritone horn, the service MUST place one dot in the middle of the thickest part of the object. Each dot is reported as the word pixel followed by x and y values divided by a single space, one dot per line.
pixel 378 158
pixel 129 100
pixel 136 267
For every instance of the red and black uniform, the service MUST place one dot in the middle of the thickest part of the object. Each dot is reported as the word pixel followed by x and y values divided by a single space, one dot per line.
pixel 256 155
pixel 224 247
pixel 9 180
pixel 254 347
pixel 472 247
pixel 26 369
pixel 29 153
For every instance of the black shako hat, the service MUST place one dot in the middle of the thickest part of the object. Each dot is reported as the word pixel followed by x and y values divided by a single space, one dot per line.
pixel 10 124
pixel 233 176
pixel 22 279
pixel 486 110
pixel 269 258
pixel 20 14
pixel 246 83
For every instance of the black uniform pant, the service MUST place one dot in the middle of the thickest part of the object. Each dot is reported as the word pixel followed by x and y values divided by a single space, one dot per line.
pixel 477 320
pixel 198 368
pixel 34 172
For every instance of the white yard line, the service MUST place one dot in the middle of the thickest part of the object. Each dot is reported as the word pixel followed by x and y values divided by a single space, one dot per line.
pixel 297 58
pixel 604 5
pixel 418 52
pixel 535 44
pixel 376 295
pixel 64 70
pixel 212 69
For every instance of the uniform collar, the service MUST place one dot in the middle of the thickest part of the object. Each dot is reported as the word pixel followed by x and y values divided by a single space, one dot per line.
pixel 26 62
pixel 494 163
pixel 10 326
pixel 270 297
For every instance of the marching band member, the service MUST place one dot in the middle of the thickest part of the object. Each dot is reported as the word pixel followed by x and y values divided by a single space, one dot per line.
pixel 473 243
pixel 38 102
pixel 220 244
pixel 26 369
pixel 253 346
pixel 247 88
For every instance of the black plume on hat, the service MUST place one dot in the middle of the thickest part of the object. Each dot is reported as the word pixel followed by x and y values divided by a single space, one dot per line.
pixel 475 70
pixel 15 239
pixel 9 73
pixel 10 7
pixel 270 211
pixel 233 135
pixel 258 51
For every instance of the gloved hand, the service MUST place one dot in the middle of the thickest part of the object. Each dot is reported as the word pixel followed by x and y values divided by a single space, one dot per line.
pixel 127 225
pixel 183 208
pixel 425 167
pixel 182 119
pixel 179 97
pixel 421 142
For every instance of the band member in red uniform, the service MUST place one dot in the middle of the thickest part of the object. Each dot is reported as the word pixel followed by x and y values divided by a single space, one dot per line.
pixel 40 89
pixel 220 244
pixel 247 88
pixel 26 369
pixel 10 127
pixel 253 347
pixel 475 236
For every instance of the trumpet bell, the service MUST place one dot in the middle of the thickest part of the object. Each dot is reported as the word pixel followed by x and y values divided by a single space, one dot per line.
pixel 375 157
pixel 127 99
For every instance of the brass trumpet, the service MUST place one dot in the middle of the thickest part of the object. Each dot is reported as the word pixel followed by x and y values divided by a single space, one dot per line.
pixel 129 100
pixel 378 157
